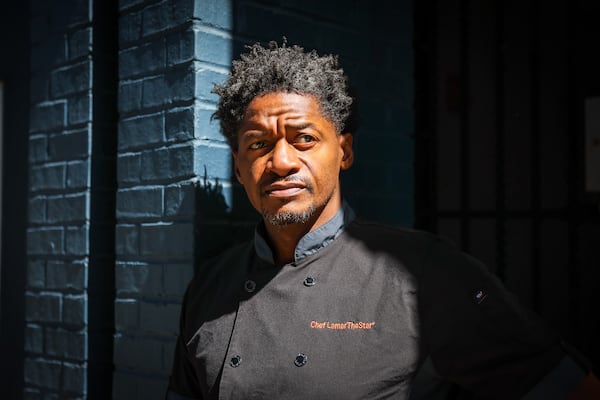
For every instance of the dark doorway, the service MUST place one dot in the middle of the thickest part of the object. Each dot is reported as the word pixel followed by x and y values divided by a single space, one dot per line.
pixel 14 72
pixel 501 88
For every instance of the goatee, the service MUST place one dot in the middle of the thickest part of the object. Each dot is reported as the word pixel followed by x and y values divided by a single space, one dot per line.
pixel 288 218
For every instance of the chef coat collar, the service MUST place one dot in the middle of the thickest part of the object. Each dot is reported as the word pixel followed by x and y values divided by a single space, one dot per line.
pixel 310 243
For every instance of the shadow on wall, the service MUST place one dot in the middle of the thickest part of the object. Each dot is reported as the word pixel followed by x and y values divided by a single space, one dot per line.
pixel 217 226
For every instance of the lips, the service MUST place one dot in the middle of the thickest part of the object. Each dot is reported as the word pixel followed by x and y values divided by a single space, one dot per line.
pixel 284 189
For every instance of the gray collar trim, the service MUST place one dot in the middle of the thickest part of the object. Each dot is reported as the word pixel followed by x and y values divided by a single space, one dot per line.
pixel 310 243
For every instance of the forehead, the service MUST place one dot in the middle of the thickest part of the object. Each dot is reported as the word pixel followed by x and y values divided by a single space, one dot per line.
pixel 278 104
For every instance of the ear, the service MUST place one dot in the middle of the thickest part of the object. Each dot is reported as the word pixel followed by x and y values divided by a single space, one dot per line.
pixel 234 153
pixel 348 152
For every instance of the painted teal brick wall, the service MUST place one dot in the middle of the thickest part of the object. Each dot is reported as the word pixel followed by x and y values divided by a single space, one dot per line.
pixel 168 151
pixel 56 333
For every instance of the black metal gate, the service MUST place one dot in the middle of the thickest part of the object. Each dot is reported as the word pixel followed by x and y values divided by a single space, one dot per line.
pixel 500 161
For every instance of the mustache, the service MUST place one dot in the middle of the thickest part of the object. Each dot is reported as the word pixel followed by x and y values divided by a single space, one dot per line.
pixel 271 179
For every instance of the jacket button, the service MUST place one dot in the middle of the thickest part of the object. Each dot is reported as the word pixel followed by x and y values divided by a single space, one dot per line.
pixel 300 360
pixel 309 281
pixel 250 286
pixel 235 361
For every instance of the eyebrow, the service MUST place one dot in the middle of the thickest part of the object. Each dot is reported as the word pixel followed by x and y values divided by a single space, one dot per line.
pixel 301 126
pixel 252 134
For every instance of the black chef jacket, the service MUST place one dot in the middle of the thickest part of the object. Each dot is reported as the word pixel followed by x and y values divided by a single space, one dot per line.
pixel 359 312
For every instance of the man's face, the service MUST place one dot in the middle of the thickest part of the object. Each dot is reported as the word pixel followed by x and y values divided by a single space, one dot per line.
pixel 289 158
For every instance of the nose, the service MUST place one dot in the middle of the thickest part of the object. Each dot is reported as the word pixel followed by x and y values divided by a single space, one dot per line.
pixel 284 160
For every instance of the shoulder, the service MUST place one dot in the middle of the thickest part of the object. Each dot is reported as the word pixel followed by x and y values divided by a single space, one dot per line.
pixel 411 247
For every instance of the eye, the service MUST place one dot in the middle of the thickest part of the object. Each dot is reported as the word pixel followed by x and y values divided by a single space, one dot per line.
pixel 257 145
pixel 305 139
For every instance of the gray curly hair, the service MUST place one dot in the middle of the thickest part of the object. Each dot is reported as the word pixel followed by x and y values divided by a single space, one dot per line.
pixel 282 69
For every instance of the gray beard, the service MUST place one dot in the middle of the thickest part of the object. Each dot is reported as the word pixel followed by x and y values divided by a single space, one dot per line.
pixel 288 218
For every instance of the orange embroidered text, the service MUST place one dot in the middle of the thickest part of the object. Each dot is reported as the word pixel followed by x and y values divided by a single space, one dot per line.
pixel 350 325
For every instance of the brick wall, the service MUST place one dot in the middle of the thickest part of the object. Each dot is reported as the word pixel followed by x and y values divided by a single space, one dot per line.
pixel 56 332
pixel 170 155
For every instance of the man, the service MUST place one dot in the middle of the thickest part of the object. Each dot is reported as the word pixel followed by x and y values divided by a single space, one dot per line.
pixel 321 305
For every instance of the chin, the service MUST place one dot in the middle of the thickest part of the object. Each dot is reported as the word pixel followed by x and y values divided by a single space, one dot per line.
pixel 287 217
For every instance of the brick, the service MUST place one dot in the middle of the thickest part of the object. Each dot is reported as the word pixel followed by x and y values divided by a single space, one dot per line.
pixel 168 354
pixel 129 167
pixel 213 48
pixel 156 165
pixel 166 15
pixel 74 378
pixel 64 275
pixel 77 240
pixel 216 13
pixel 177 85
pixel 159 318
pixel 126 314
pixel 179 124
pixel 180 200
pixel 138 353
pixel 38 149
pixel 43 373
pixel 126 240
pixel 36 274
pixel 69 208
pixel 130 28
pixel 32 394
pixel 37 210
pixel 39 87
pixel 142 59
pixel 125 4
pixel 180 47
pixel 34 338
pixel 45 241
pixel 47 116
pixel 73 12
pixel 78 174
pixel 48 176
pixel 143 202
pixel 149 386
pixel 214 161
pixel 80 43
pixel 80 109
pixel 139 279
pixel 75 310
pixel 205 78
pixel 168 240
pixel 212 199
pixel 71 79
pixel 141 130
pixel 69 145
pixel 130 96
pixel 48 52
pixel 65 343
pixel 124 386
pixel 176 279
pixel 206 127
pixel 44 307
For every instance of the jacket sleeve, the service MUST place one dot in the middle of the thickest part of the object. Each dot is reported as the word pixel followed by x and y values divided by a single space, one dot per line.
pixel 475 332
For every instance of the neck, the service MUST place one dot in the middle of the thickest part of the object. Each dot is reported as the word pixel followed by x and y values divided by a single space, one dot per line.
pixel 284 238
